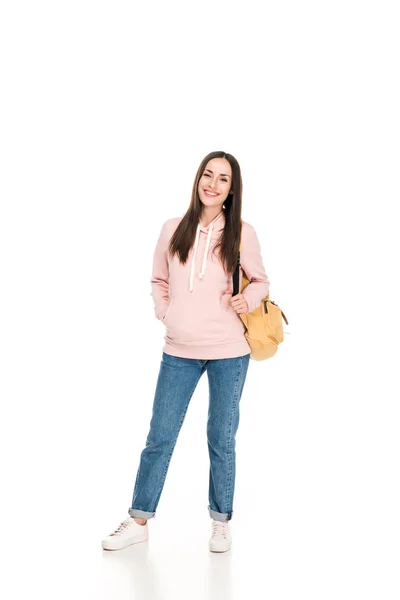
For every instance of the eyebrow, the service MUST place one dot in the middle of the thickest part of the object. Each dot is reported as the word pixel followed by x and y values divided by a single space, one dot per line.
pixel 222 174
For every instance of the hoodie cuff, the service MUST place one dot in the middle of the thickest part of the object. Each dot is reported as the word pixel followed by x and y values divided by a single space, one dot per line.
pixel 251 301
pixel 255 297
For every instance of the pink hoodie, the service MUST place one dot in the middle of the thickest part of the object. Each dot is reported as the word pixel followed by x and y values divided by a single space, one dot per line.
pixel 192 299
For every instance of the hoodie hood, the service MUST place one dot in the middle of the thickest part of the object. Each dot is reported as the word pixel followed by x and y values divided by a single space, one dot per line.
pixel 215 226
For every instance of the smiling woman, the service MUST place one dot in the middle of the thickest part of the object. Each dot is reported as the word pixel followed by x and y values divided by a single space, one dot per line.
pixel 214 184
pixel 194 260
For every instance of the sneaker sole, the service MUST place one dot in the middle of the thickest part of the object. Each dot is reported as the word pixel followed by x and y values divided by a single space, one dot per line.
pixel 105 545
pixel 214 549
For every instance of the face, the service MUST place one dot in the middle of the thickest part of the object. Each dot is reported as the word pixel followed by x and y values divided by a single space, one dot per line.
pixel 217 180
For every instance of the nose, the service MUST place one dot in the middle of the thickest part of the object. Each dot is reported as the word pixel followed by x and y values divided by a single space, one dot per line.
pixel 213 184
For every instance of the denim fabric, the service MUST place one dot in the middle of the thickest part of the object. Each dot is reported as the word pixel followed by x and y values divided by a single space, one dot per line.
pixel 176 383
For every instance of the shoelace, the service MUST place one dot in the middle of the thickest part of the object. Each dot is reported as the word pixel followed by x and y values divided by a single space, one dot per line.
pixel 123 527
pixel 220 528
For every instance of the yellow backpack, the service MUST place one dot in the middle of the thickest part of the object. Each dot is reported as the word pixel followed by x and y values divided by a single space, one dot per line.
pixel 263 326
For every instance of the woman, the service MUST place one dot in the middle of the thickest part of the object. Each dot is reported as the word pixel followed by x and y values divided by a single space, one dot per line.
pixel 194 261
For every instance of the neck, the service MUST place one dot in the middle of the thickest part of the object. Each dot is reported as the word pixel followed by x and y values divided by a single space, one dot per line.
pixel 209 213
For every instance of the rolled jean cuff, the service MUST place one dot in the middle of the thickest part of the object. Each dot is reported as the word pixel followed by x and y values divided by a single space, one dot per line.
pixel 141 514
pixel 217 516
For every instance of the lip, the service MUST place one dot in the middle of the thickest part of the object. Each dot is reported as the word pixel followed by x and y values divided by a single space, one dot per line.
pixel 211 196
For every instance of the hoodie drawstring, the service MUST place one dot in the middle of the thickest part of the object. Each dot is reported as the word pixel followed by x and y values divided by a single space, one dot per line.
pixel 196 243
pixel 203 267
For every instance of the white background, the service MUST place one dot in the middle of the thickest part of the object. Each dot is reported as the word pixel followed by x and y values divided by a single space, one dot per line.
pixel 107 109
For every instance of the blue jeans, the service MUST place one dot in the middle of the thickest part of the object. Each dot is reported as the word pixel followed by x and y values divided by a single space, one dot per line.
pixel 177 381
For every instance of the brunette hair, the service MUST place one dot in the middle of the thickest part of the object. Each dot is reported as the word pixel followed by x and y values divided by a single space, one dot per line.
pixel 184 235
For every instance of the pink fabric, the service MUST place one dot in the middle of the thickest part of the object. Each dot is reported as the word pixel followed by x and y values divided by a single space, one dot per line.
pixel 192 299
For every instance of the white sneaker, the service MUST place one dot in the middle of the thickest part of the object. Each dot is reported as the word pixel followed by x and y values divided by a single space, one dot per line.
pixel 128 533
pixel 221 539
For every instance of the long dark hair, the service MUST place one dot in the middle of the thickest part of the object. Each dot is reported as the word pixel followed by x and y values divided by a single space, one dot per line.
pixel 184 235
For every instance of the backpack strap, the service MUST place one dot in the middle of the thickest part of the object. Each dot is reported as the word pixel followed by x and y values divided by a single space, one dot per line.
pixel 235 276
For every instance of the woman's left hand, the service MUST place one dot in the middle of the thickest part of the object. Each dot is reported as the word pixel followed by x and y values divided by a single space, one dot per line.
pixel 239 304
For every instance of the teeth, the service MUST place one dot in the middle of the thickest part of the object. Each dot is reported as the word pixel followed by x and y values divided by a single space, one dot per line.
pixel 210 194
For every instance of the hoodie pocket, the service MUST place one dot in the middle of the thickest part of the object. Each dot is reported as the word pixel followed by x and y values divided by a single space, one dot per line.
pixel 201 320
pixel 164 319
pixel 181 321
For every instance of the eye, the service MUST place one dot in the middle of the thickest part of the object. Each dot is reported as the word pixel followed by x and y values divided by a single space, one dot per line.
pixel 207 175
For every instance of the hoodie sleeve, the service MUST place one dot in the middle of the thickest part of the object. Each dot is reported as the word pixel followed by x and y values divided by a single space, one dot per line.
pixel 252 264
pixel 160 274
